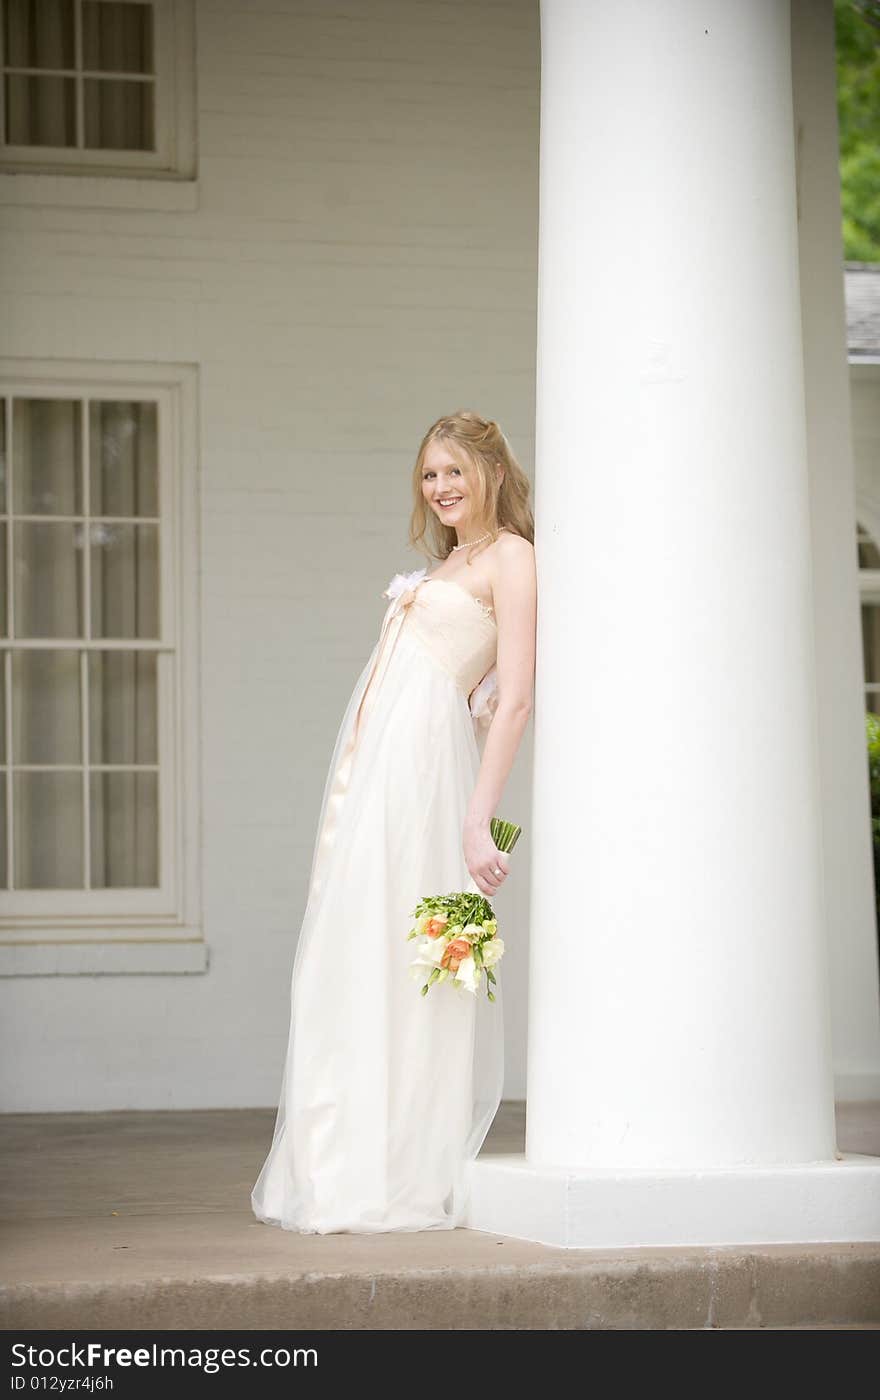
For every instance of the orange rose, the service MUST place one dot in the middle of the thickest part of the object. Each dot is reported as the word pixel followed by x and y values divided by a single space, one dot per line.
pixel 456 950
pixel 434 927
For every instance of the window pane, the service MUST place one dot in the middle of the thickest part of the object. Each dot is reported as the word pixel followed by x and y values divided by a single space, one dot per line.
pixel 3 877
pixel 47 827
pixel 125 581
pixel 117 38
pixel 46 465
pixel 4 601
pixel 46 707
pixel 871 640
pixel 4 529
pixel 868 554
pixel 38 33
pixel 124 830
pixel 40 111
pixel 2 706
pixel 123 450
pixel 2 456
pixel 119 115
pixel 48 580
pixel 122 707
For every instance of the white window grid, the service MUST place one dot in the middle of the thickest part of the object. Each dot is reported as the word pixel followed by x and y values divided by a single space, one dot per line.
pixel 170 910
pixel 174 105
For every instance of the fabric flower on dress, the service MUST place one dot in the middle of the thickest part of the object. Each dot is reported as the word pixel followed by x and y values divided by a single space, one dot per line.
pixel 402 587
pixel 483 701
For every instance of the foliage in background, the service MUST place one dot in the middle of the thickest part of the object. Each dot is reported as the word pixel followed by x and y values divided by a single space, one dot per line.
pixel 857 35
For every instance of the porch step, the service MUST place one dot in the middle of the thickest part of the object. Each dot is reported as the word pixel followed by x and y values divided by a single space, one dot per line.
pixel 142 1221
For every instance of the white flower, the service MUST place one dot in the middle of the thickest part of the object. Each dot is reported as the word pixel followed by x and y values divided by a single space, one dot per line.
pixel 466 976
pixel 430 953
pixel 493 951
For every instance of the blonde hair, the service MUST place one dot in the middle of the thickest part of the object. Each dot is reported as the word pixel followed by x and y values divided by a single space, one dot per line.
pixel 478 446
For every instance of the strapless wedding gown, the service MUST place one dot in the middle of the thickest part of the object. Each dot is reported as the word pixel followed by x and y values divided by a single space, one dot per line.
pixel 387 1095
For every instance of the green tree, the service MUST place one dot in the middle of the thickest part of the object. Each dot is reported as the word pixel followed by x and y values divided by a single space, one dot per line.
pixel 857 34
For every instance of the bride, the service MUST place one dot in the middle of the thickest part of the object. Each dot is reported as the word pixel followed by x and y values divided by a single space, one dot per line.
pixel 387 1095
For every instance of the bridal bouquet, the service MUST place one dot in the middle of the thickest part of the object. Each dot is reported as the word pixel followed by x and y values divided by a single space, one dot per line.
pixel 459 932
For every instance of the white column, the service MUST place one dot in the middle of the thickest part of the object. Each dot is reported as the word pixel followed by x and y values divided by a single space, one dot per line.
pixel 680 1078
pixel 846 829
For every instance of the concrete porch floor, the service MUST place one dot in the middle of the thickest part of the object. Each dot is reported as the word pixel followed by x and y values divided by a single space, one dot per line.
pixel 142 1220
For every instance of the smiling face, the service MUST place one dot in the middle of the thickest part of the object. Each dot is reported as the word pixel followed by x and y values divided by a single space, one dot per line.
pixel 444 480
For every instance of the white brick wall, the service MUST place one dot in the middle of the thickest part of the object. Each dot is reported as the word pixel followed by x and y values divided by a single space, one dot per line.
pixel 361 260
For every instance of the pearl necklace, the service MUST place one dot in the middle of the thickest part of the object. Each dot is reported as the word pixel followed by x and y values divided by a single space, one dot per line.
pixel 467 544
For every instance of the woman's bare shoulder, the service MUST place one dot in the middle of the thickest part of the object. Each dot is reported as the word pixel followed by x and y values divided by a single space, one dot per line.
pixel 514 551
pixel 513 564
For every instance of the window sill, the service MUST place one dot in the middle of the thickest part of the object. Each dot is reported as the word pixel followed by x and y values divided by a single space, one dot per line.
pixel 98 191
pixel 95 958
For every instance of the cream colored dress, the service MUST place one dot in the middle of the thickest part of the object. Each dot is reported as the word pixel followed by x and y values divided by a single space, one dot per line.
pixel 387 1095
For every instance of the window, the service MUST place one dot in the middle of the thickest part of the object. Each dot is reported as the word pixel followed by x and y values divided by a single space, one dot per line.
pixel 97 86
pixel 869 586
pixel 95 699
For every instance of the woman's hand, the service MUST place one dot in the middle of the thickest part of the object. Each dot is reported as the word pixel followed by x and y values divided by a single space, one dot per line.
pixel 488 866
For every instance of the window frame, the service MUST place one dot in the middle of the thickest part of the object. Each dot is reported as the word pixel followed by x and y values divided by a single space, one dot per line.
pixel 113 171
pixel 106 930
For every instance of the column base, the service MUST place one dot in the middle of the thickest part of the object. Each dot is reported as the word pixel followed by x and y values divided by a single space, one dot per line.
pixel 622 1208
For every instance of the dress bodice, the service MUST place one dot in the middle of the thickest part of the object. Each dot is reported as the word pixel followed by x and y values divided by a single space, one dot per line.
pixel 460 635
pixel 457 629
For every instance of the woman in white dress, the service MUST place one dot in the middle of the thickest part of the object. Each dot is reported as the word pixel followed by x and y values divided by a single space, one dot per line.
pixel 387 1095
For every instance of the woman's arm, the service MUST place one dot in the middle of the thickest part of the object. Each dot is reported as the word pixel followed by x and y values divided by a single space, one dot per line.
pixel 514 590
